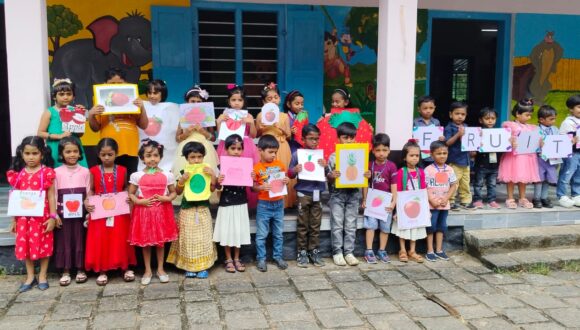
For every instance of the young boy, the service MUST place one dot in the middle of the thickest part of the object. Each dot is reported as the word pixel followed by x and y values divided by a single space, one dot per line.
pixel 309 206
pixel 270 210
pixel 458 160
pixel 486 166
pixel 570 170
pixel 382 170
pixel 426 108
pixel 547 167
pixel 344 204
pixel 441 185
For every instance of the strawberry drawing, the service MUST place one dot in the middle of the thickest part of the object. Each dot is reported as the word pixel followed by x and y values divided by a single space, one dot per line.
pixel 154 126
pixel 377 201
pixel 195 116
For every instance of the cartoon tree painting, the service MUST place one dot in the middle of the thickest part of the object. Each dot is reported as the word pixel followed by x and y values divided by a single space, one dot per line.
pixel 62 23
pixel 363 24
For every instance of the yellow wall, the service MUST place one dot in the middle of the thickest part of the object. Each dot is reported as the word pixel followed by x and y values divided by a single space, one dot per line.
pixel 567 76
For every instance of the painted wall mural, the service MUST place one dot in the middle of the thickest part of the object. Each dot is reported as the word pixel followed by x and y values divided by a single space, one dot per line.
pixel 546 60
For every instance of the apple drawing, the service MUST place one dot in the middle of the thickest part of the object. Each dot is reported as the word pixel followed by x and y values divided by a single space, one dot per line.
pixel 377 201
pixel 65 115
pixel 233 125
pixel 108 203
pixel 72 206
pixel 270 116
pixel 412 208
pixel 309 165
pixel 117 99
pixel 195 116
pixel 79 118
pixel 154 126
pixel 276 186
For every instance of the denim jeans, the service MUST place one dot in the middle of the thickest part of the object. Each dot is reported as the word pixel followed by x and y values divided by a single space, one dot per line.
pixel 269 213
pixel 438 221
pixel 344 206
pixel 488 177
pixel 569 176
pixel 541 190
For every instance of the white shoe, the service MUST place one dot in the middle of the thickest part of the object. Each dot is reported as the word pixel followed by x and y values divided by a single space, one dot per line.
pixel 146 280
pixel 351 260
pixel 339 259
pixel 576 200
pixel 567 202
pixel 163 278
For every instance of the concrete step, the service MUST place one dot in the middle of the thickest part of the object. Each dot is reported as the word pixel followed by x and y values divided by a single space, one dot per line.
pixel 497 241
pixel 521 260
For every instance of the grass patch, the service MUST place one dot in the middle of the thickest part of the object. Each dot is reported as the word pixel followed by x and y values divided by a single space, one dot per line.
pixel 541 269
pixel 571 266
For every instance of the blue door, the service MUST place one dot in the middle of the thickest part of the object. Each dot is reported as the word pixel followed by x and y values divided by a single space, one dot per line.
pixel 304 58
pixel 172 35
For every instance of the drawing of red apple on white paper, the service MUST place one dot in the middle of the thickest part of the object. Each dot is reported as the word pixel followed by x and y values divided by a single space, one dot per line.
pixel 154 126
pixel 412 208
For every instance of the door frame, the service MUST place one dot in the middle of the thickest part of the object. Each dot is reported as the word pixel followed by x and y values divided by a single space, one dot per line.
pixel 503 72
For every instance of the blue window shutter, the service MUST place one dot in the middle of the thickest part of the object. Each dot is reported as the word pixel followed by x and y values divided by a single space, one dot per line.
pixel 304 58
pixel 172 34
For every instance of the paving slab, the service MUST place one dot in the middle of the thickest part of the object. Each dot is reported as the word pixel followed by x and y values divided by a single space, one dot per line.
pixel 500 261
pixel 447 323
pixel 542 301
pixel 201 295
pixel 477 288
pixel 118 303
pixel 19 322
pixel 252 319
pixel 455 299
pixel 38 295
pixel 436 286
pixel 195 284
pixel 201 313
pixel 523 315
pixel 569 317
pixel 387 277
pixel 494 323
pixel 324 299
pixel 502 279
pixel 67 325
pixel 30 308
pixel 289 312
pixel 418 272
pixel 65 311
pixel 358 290
pixel 475 312
pixel 347 275
pixel 405 292
pixel 262 280
pixel 277 295
pixel 116 320
pixel 310 283
pixel 499 301
pixel 161 291
pixel 338 317
pixel 455 275
pixel 374 306
pixel 161 307
pixel 392 321
pixel 563 291
pixel 423 308
pixel 239 301
pixel 296 325
pixel 541 280
pixel 160 322
pixel 121 289
pixel 542 326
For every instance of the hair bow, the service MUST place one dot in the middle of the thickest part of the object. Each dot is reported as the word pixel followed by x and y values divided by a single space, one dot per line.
pixel 270 86
pixel 413 141
pixel 60 81
pixel 231 86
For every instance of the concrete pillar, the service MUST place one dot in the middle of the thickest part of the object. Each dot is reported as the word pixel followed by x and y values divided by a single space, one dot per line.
pixel 27 55
pixel 396 69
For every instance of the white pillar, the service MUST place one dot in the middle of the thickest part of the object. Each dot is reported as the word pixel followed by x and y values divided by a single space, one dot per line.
pixel 27 54
pixel 396 69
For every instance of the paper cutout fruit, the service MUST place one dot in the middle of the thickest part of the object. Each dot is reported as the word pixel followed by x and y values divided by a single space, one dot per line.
pixel 73 206
pixel 79 118
pixel 27 204
pixel 270 116
pixel 276 186
pixel 377 201
pixel 197 183
pixel 351 170
pixel 116 99
pixel 412 208
pixel 154 126
pixel 195 116
pixel 309 165
pixel 233 125
pixel 108 203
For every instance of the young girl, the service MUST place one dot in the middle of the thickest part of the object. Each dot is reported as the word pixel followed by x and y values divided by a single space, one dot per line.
pixel 107 247
pixel 152 222
pixel 236 100
pixel 198 134
pixel 194 250
pixel 69 239
pixel 409 177
pixel 232 225
pixel 163 121
pixel 294 107
pixel 50 127
pixel 519 168
pixel 281 131
pixel 31 170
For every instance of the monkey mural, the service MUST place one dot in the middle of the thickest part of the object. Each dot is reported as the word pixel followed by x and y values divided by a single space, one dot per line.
pixel 544 58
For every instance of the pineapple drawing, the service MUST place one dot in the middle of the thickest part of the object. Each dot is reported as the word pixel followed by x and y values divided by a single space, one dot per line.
pixel 351 170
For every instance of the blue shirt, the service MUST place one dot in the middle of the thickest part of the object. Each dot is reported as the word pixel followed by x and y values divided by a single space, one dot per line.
pixel 456 156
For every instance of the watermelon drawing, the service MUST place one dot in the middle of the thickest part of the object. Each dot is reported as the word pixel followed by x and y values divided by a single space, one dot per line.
pixel 197 183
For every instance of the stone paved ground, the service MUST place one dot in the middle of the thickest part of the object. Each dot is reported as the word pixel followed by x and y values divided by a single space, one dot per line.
pixel 394 296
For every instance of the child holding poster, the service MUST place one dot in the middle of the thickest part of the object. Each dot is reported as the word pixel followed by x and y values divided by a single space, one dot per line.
pixel 519 169
pixel 344 204
pixel 441 184
pixel 382 170
pixel 232 224
pixel 309 206
pixel 270 210
pixel 547 167
pixel 570 170
pixel 152 221
pixel 486 166
pixel 72 184
pixel 107 247
pixel 458 159
pixel 31 170
pixel 194 250
pixel 409 177
pixel 426 108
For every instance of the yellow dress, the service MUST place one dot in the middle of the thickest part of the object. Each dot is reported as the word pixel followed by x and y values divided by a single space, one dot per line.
pixel 210 158
pixel 284 155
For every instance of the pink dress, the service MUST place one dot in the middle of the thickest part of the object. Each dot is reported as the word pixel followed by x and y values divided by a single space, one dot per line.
pixel 152 225
pixel 250 151
pixel 516 168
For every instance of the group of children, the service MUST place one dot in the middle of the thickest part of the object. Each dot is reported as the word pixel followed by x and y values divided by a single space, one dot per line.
pixel 108 244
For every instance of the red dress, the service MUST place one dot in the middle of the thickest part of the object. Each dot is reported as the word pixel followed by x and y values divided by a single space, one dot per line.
pixel 107 247
pixel 152 225
pixel 31 242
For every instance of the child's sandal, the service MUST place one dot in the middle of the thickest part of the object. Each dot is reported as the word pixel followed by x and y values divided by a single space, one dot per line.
pixel 403 256
pixel 64 280
pixel 240 267
pixel 230 268
pixel 102 280
pixel 511 204
pixel 526 204
pixel 81 277
pixel 129 276
pixel 416 257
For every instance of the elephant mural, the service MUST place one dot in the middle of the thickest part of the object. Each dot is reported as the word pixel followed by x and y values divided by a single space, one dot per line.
pixel 124 44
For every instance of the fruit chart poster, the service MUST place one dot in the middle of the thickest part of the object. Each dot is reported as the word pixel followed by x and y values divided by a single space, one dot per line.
pixel 116 98
pixel 352 160
pixel 311 170
pixel 109 205
pixel 376 204
pixel 413 209
pixel 192 114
